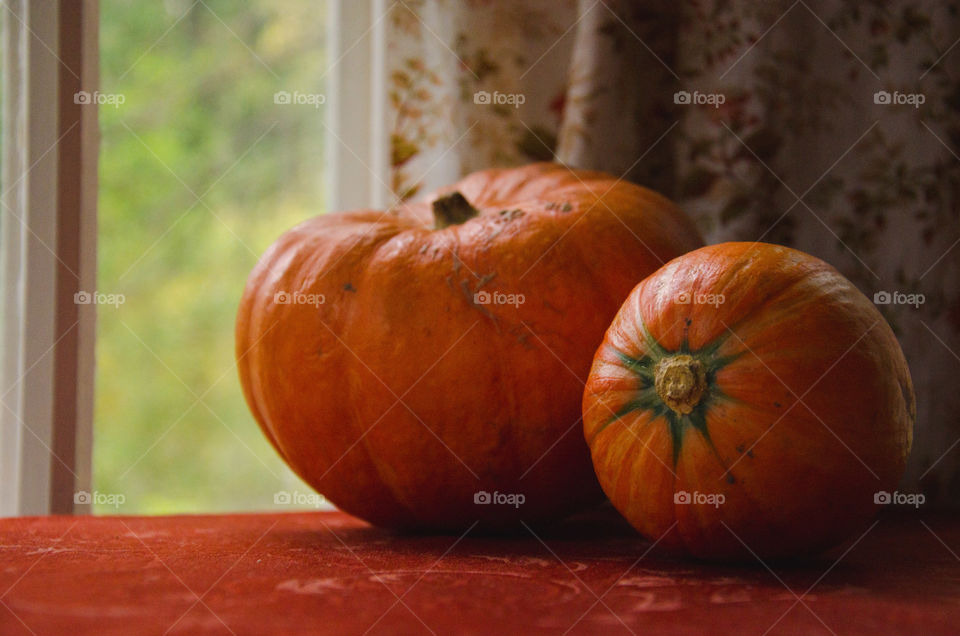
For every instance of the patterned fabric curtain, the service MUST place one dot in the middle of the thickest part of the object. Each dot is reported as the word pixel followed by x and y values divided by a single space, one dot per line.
pixel 829 126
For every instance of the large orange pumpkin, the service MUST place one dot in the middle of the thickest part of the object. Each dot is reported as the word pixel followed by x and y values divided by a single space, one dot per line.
pixel 414 364
pixel 748 400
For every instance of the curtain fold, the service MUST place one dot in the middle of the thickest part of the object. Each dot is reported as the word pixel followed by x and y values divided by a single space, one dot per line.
pixel 829 126
pixel 615 118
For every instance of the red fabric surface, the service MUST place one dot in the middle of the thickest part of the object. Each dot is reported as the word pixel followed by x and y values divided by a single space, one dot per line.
pixel 330 573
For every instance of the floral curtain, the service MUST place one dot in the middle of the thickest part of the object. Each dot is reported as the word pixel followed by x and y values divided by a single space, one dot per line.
pixel 829 126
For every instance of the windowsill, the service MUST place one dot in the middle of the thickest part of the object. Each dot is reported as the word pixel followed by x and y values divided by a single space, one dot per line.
pixel 326 571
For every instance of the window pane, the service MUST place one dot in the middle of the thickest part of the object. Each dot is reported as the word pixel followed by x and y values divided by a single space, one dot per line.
pixel 200 170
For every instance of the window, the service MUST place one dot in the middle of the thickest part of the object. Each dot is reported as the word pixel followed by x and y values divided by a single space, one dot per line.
pixel 200 126
pixel 212 145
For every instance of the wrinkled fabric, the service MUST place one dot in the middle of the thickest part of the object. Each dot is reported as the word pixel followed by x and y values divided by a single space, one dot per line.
pixel 829 126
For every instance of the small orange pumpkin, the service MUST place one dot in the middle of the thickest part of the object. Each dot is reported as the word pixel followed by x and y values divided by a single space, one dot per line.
pixel 747 401
pixel 422 367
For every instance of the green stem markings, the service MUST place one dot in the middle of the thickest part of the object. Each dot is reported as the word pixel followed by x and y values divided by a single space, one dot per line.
pixel 697 375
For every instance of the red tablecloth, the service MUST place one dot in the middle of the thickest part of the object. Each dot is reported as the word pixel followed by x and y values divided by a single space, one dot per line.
pixel 330 573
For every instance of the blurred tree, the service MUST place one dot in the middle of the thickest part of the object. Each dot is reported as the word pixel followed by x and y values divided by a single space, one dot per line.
pixel 199 172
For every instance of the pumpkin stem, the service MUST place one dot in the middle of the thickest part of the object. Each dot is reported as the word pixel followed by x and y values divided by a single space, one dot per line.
pixel 680 382
pixel 452 209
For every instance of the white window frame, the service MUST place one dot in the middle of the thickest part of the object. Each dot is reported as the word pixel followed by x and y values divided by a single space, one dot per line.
pixel 357 151
pixel 48 234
